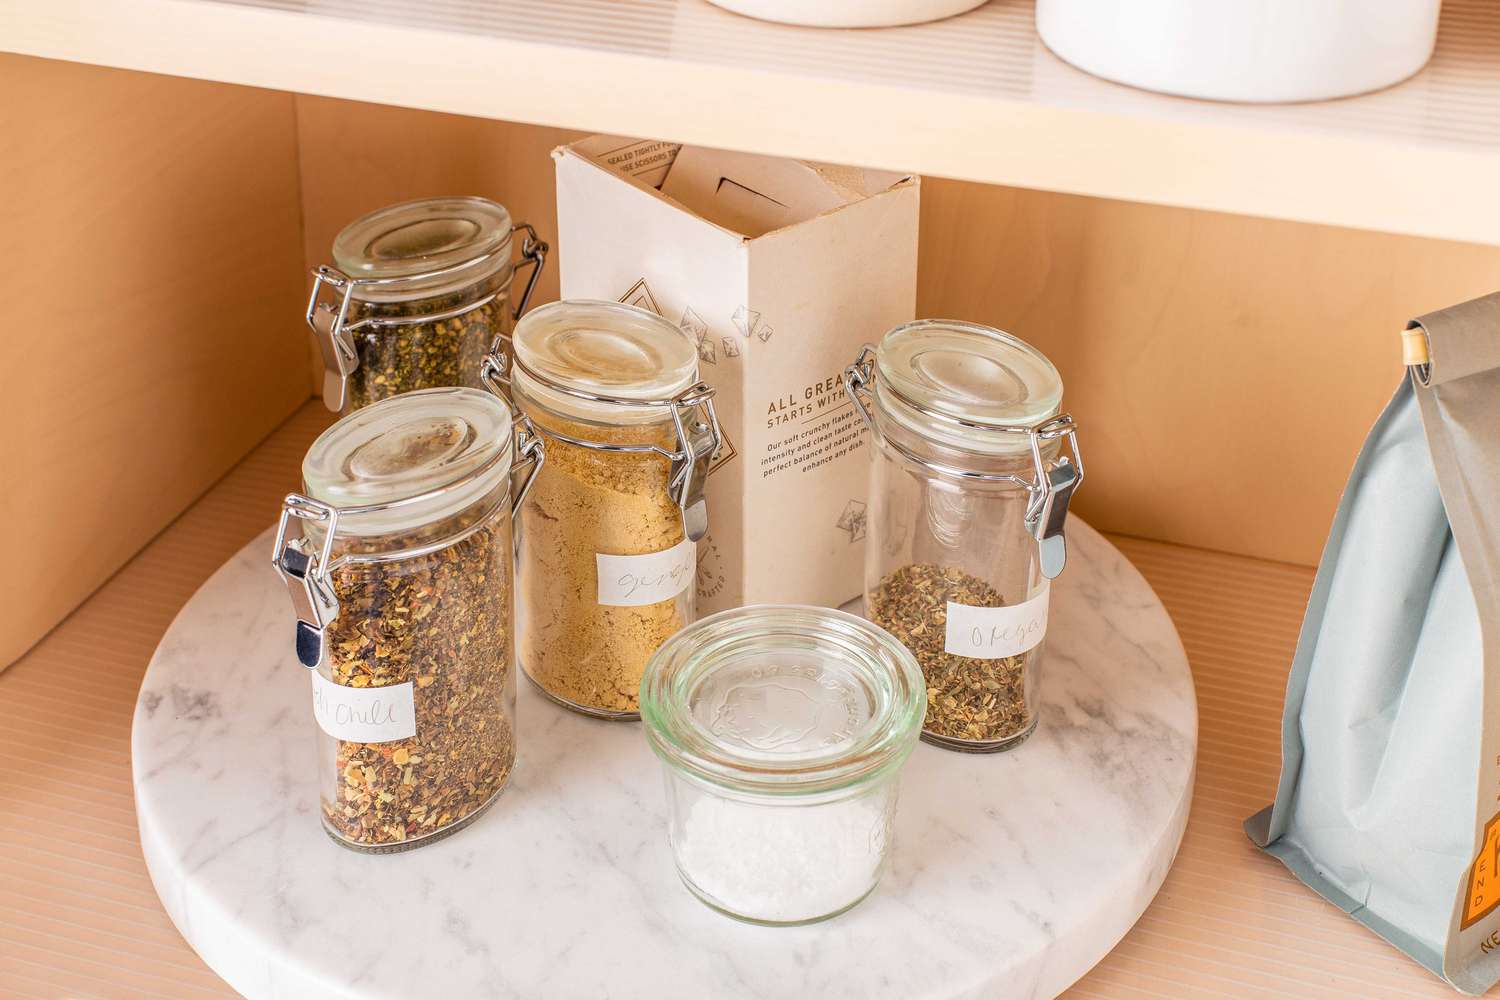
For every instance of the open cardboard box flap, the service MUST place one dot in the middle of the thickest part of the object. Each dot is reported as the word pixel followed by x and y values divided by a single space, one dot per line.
pixel 743 193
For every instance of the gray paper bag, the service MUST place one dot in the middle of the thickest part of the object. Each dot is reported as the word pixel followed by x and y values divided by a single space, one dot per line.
pixel 1389 800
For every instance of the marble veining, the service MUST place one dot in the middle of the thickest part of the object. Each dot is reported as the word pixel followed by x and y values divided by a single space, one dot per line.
pixel 1010 875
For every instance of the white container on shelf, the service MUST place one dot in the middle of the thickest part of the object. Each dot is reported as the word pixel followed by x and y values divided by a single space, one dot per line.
pixel 1245 50
pixel 849 13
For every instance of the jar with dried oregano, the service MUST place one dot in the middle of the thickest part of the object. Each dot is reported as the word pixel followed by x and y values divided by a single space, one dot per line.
pixel 607 561
pixel 398 558
pixel 969 491
pixel 417 293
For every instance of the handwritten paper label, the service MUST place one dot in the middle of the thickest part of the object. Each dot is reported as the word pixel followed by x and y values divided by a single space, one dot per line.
pixel 363 715
pixel 630 581
pixel 990 633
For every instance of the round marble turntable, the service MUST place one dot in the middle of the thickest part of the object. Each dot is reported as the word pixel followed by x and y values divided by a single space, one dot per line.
pixel 1011 875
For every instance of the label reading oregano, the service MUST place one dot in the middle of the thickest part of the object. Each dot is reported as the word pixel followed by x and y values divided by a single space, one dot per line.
pixel 988 633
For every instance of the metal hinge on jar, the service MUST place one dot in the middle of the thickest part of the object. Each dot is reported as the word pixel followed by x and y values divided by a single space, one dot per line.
pixel 1050 489
pixel 305 574
pixel 335 334
pixel 693 419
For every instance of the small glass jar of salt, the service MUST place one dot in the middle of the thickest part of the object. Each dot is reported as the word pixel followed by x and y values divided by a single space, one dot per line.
pixel 782 731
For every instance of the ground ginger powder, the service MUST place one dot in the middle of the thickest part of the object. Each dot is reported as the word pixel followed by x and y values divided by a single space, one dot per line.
pixel 587 502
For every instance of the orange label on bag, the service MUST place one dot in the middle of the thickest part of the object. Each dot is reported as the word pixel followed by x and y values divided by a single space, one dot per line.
pixel 1484 876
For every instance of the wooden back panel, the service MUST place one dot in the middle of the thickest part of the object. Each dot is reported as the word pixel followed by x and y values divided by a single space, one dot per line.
pixel 151 280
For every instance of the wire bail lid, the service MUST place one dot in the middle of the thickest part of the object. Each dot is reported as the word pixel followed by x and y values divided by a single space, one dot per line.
pixel 636 367
pixel 1000 397
pixel 694 422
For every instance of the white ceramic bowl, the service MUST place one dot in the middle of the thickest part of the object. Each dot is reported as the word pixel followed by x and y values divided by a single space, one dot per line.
pixel 849 13
pixel 1244 50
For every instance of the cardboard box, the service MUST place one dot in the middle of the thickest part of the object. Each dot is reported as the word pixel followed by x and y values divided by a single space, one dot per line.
pixel 780 270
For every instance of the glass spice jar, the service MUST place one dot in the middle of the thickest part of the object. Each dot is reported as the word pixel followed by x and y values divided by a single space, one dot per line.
pixel 782 731
pixel 421 290
pixel 607 564
pixel 969 492
pixel 398 557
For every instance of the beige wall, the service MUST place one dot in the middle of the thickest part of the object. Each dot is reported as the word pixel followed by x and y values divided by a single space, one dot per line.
pixel 1224 368
pixel 150 273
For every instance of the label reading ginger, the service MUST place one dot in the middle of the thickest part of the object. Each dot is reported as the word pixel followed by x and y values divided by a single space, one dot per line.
pixel 991 633
pixel 631 581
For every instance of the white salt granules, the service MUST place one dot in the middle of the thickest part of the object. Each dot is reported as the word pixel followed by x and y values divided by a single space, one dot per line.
pixel 785 863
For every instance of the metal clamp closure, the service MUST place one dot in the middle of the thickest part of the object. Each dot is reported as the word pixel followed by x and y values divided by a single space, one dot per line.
pixel 1050 489
pixel 528 449
pixel 693 419
pixel 698 438
pixel 306 574
pixel 330 323
pixel 533 255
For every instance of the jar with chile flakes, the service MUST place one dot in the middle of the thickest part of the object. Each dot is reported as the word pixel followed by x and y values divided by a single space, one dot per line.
pixel 398 557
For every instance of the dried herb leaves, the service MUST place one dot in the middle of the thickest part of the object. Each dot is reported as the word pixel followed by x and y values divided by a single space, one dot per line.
pixel 423 355
pixel 969 700
pixel 443 622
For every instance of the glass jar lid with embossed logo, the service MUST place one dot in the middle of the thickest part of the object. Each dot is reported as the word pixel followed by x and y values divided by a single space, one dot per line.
pixel 782 730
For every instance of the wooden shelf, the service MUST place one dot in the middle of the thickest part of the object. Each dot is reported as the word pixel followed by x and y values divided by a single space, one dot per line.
pixel 78 916
pixel 975 97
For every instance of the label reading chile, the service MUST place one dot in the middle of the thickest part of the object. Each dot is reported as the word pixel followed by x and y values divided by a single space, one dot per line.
pixel 632 581
pixel 363 715
pixel 990 633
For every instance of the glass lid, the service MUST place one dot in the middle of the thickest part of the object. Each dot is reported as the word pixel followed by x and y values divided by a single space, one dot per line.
pixel 605 349
pixel 424 247
pixel 410 460
pixel 936 368
pixel 783 699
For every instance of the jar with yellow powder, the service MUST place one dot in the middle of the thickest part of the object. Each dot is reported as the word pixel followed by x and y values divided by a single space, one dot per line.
pixel 608 535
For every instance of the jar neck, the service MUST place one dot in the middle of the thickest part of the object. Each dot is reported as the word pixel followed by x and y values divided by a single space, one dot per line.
pixel 465 292
pixel 425 517
pixel 487 507
pixel 468 287
pixel 901 424
pixel 548 406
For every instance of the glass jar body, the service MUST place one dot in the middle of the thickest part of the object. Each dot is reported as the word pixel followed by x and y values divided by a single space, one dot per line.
pixel 782 731
pixel 952 570
pixel 436 630
pixel 605 573
pixel 784 859
pixel 428 342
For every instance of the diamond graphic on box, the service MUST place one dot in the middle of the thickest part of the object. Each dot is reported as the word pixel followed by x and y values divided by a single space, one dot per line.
pixel 640 296
pixel 853 520
pixel 698 330
pixel 731 347
pixel 745 320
